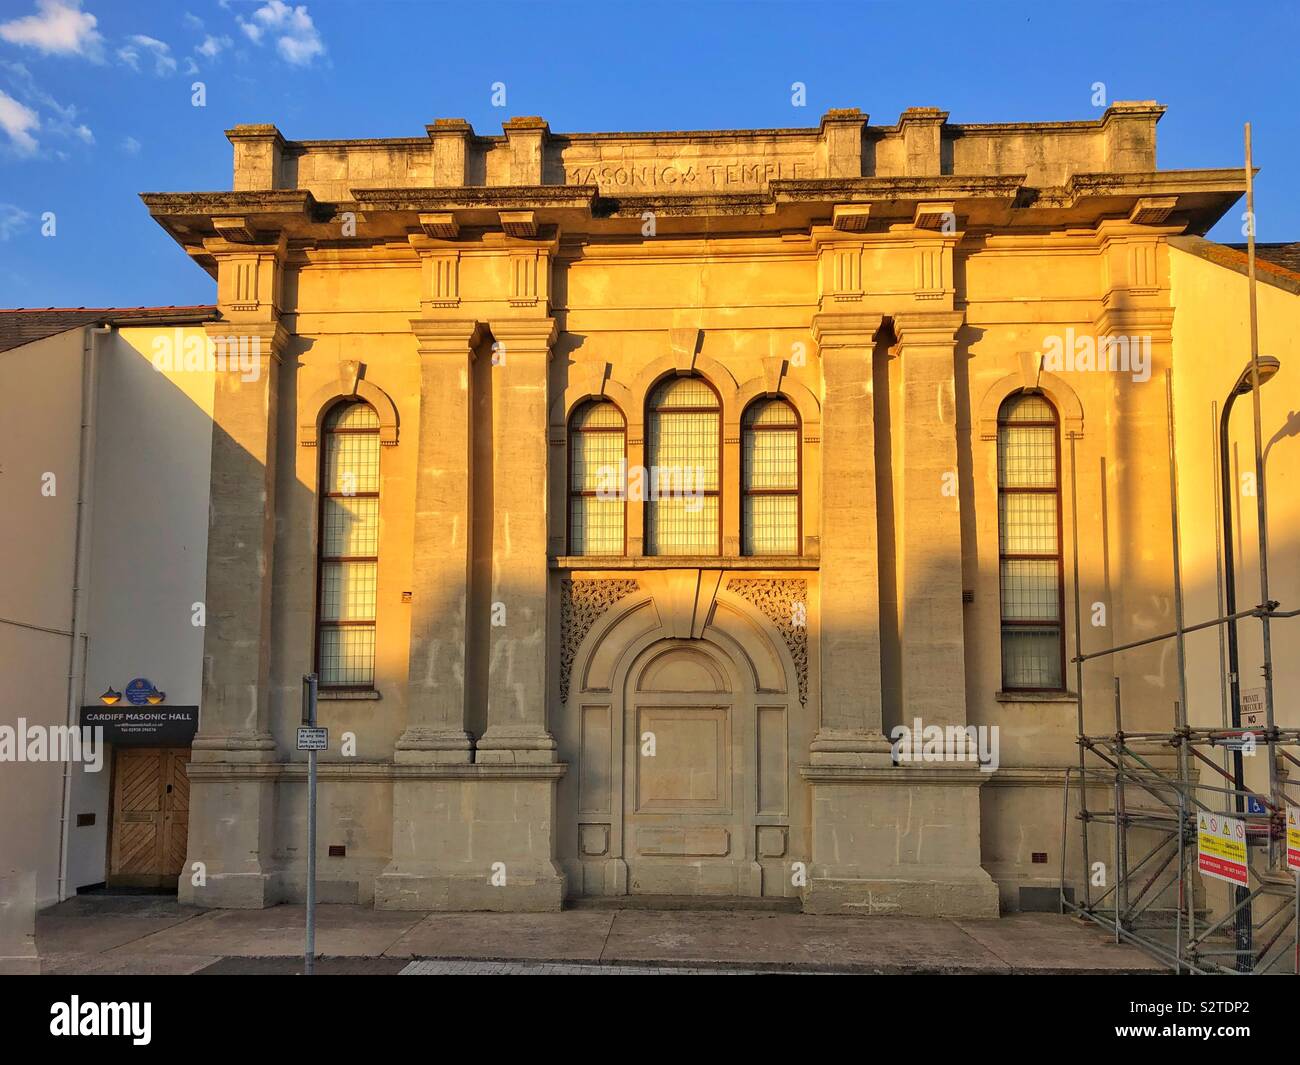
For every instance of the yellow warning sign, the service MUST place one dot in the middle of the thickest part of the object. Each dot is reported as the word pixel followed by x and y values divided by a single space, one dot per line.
pixel 1221 846
pixel 1293 838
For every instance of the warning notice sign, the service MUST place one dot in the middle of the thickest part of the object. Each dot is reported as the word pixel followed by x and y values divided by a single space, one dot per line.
pixel 1293 838
pixel 1221 846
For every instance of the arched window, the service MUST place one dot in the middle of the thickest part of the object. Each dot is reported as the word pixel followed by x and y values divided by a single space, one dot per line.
pixel 348 546
pixel 597 479
pixel 683 447
pixel 770 476
pixel 1029 544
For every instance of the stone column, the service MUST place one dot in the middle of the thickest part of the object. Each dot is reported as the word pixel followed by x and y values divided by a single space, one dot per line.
pixel 851 710
pixel 932 641
pixel 436 699
pixel 516 697
pixel 231 830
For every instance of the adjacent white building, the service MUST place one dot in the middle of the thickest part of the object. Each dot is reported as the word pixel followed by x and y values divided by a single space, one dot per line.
pixel 105 447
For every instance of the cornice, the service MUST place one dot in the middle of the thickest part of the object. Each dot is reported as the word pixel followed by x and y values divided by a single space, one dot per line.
pixel 376 771
pixel 1189 200
pixel 447 336
pixel 853 329
pixel 525 333
pixel 901 775
pixel 891 189
pixel 913 328
pixel 468 198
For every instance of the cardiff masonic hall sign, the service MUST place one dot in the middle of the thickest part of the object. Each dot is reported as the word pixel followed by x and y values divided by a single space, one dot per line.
pixel 143 726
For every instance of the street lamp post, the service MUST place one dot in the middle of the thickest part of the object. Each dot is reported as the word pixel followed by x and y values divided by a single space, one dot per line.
pixel 1266 366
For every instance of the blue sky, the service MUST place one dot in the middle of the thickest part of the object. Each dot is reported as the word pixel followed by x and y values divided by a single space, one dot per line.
pixel 95 97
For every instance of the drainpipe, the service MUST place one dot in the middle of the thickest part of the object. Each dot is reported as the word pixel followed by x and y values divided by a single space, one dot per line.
pixel 80 570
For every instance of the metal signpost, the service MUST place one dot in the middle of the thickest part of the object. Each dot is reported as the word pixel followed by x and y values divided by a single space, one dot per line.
pixel 311 739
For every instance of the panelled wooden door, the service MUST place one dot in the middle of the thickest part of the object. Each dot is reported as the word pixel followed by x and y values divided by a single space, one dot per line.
pixel 151 804
pixel 686 821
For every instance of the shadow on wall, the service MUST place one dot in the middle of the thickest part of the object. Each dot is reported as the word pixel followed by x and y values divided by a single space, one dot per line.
pixel 1143 490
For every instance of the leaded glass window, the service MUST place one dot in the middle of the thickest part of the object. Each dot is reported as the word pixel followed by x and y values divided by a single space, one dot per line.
pixel 1029 544
pixel 349 547
pixel 597 479
pixel 683 446
pixel 770 479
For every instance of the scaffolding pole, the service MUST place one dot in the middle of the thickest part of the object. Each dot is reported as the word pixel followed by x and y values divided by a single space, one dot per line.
pixel 1165 801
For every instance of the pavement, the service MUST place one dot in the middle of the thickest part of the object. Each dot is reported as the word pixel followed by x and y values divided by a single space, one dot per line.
pixel 105 934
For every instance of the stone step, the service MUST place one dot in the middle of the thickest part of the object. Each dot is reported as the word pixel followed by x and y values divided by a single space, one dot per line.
pixel 684 902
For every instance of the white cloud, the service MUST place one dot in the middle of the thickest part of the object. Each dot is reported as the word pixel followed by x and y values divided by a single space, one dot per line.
pixel 18 120
pixel 12 219
pixel 295 35
pixel 164 63
pixel 212 46
pixel 130 145
pixel 60 120
pixel 59 27
pixel 192 21
pixel 21 78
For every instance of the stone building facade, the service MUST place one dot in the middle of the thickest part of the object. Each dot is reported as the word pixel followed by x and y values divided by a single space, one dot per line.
pixel 831 351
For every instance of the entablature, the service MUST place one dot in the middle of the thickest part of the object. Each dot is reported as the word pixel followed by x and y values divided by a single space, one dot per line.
pixel 1168 201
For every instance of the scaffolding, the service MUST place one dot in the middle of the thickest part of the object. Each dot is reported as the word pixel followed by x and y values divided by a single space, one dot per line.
pixel 1148 790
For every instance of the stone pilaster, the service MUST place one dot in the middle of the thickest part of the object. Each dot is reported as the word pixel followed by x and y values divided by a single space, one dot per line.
pixel 1129 128
pixel 451 139
pixel 851 710
pixel 516 697
pixel 441 554
pixel 231 831
pixel 1134 341
pixel 900 840
pixel 258 152
pixel 922 132
pixel 932 640
pixel 527 137
pixel 841 137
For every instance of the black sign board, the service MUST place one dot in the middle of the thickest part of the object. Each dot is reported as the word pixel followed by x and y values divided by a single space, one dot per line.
pixel 143 726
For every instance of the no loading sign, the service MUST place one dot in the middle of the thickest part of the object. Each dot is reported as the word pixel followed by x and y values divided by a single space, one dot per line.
pixel 1221 848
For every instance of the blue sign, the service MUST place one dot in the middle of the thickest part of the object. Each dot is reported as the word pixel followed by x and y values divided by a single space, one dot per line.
pixel 137 692
pixel 1255 805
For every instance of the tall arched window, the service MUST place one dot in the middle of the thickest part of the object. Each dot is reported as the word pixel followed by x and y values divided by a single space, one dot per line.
pixel 597 479
pixel 348 546
pixel 1029 544
pixel 683 447
pixel 770 475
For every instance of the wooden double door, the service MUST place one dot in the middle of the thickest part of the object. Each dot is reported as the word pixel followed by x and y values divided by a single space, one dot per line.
pixel 150 818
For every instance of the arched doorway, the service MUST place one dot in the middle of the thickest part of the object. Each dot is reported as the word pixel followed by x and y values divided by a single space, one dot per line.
pixel 688 814
pixel 708 670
